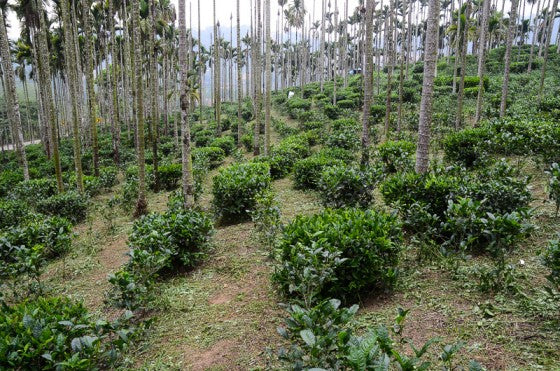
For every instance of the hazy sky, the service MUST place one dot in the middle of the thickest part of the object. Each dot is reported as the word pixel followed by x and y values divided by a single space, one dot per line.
pixel 224 8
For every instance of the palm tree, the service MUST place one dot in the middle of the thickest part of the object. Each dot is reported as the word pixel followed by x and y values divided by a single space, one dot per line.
pixel 217 66
pixel 463 42
pixel 141 204
pixel 71 63
pixel 547 39
pixel 482 57
pixel 112 82
pixel 268 77
pixel 239 89
pixel 257 72
pixel 368 81
pixel 92 99
pixel 12 102
pixel 188 182
pixel 507 57
pixel 430 61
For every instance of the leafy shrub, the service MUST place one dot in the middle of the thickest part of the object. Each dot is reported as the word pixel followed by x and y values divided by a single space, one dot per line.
pixel 33 190
pixel 226 143
pixel 296 104
pixel 397 156
pixel 338 253
pixel 247 141
pixel 346 104
pixel 169 175
pixel 342 186
pixel 235 188
pixel 176 239
pixel 203 137
pixel 554 185
pixel 266 217
pixel 344 138
pixel 108 176
pixel 56 333
pixel 53 233
pixel 551 260
pixel 214 155
pixel 307 172
pixel 331 111
pixel 466 146
pixel 8 180
pixel 284 155
pixel 12 212
pixel 70 205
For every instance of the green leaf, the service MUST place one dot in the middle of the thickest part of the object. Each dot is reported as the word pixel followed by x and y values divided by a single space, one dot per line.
pixel 308 337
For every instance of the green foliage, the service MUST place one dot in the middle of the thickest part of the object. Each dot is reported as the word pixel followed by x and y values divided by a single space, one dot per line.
pixel 70 205
pixel 33 190
pixel 284 155
pixel 554 185
pixel 343 186
pixel 12 213
pixel 295 105
pixel 396 156
pixel 346 104
pixel 175 239
pixel 169 175
pixel 56 333
pixel 214 155
pixel 331 111
pixel 108 176
pixel 266 218
pixel 226 143
pixel 338 253
pixel 8 180
pixel 236 186
pixel 308 171
pixel 466 146
pixel 203 137
pixel 551 260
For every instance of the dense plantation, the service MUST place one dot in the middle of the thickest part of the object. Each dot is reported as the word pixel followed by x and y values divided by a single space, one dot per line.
pixel 345 186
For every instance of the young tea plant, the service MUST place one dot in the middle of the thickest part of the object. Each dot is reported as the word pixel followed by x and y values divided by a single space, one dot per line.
pixel 554 185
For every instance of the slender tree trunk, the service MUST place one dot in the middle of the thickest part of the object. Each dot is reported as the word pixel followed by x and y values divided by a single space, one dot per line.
pixel 507 57
pixel 482 58
pixel 430 62
pixel 258 84
pixel 463 56
pixel 12 103
pixel 268 77
pixel 188 181
pixel 141 204
pixel 368 81
pixel 547 38
pixel 71 63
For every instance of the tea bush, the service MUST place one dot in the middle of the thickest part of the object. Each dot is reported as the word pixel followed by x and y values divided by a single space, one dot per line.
pixel 12 213
pixel 56 333
pixel 307 172
pixel 466 146
pixel 169 176
pixel 70 205
pixel 226 143
pixel 551 260
pixel 396 156
pixel 338 253
pixel 33 190
pixel 214 155
pixel 108 176
pixel 284 155
pixel 236 186
pixel 266 218
pixel 296 104
pixel 554 185
pixel 343 186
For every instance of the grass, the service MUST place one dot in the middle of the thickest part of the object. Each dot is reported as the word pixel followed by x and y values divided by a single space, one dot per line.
pixel 223 315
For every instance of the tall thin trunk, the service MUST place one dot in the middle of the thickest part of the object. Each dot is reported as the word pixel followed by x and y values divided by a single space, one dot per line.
pixel 430 62
pixel 239 89
pixel 322 47
pixel 507 57
pixel 368 81
pixel 463 56
pixel 188 182
pixel 482 58
pixel 12 102
pixel 141 204
pixel 268 77
pixel 258 85
pixel 71 63
pixel 547 38
pixel 154 92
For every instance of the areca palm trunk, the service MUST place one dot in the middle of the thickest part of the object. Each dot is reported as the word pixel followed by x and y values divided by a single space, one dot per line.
pixel 547 37
pixel 268 77
pixel 482 58
pixel 463 56
pixel 258 85
pixel 141 204
pixel 217 66
pixel 239 92
pixel 113 101
pixel 45 86
pixel 534 37
pixel 71 63
pixel 11 96
pixel 390 47
pixel 507 57
pixel 92 99
pixel 154 116
pixel 368 81
pixel 187 178
pixel 430 61
pixel 322 47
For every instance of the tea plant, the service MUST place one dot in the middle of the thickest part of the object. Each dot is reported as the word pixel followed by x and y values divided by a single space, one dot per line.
pixel 554 185
pixel 70 205
pixel 266 218
pixel 346 186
